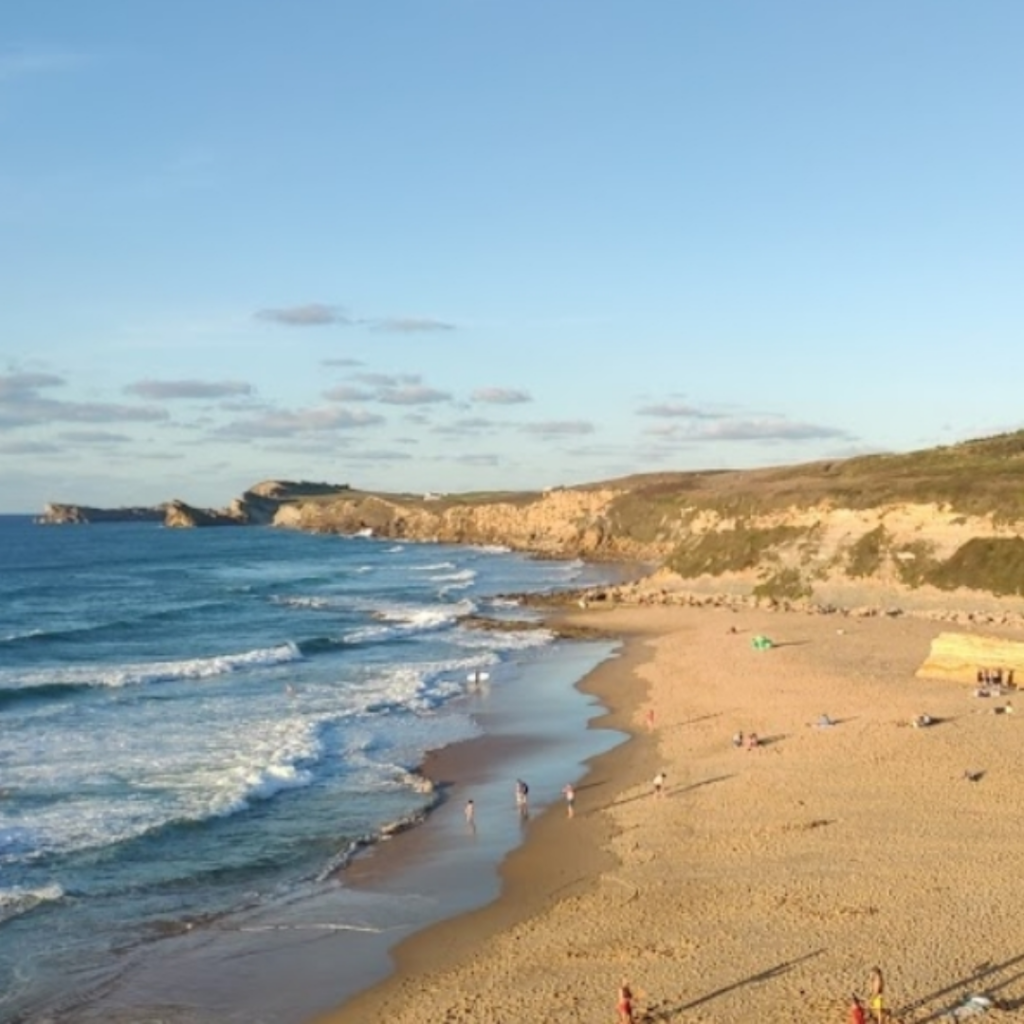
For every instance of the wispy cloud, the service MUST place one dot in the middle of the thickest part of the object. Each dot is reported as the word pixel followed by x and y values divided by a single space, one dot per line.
pixel 409 324
pixel 318 314
pixel 344 362
pixel 22 405
pixel 559 428
pixel 170 389
pixel 20 386
pixel 501 396
pixel 313 314
pixel 31 448
pixel 765 429
pixel 285 423
pixel 347 393
pixel 414 394
pixel 467 425
pixel 484 460
pixel 374 455
pixel 387 380
pixel 102 437
pixel 675 410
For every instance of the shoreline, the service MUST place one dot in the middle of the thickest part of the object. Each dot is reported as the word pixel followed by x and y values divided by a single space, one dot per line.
pixel 529 882
pixel 287 960
pixel 765 883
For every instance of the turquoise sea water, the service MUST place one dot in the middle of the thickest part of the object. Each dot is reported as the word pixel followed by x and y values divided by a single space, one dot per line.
pixel 198 725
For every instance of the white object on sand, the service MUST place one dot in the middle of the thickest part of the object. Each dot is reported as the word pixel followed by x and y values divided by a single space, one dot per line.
pixel 971 1007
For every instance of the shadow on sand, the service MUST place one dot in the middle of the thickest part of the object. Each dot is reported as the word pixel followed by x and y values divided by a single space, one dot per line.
pixel 986 972
pixel 665 1012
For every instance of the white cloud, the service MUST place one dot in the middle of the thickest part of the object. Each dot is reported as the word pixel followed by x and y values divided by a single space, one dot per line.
pixel 313 314
pixel 501 396
pixel 169 389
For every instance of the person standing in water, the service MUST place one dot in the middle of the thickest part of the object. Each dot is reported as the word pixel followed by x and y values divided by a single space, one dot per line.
pixel 569 791
pixel 522 797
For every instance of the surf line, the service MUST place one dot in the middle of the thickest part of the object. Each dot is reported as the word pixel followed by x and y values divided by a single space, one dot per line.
pixel 310 928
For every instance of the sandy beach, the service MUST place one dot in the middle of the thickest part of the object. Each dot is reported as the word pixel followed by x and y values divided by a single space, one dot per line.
pixel 763 884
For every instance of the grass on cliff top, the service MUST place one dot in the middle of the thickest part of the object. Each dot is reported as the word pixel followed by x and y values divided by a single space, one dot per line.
pixel 438 502
pixel 983 477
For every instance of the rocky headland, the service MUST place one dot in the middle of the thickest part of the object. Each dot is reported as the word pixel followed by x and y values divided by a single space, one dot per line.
pixel 935 532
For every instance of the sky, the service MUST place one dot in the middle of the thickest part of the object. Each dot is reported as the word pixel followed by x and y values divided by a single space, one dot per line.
pixel 462 245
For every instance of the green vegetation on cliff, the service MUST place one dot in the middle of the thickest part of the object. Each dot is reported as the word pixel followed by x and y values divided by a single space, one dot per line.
pixel 733 550
pixel 982 477
pixel 995 564
pixel 943 517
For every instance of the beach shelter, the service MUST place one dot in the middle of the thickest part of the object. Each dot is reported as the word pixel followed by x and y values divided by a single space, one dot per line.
pixel 761 643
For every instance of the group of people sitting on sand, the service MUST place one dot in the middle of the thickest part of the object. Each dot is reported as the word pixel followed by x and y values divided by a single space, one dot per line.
pixel 995 677
pixel 748 742
pixel 992 681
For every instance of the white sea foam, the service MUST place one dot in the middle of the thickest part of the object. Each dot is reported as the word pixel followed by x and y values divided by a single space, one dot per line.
pixel 259 784
pixel 427 616
pixel 20 901
pixel 298 601
pixel 133 783
pixel 12 637
pixel 403 619
pixel 502 640
pixel 462 576
pixel 432 567
pixel 426 685
pixel 154 671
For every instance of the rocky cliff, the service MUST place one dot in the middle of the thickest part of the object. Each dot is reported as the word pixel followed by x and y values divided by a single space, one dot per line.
pixel 925 524
pixel 821 552
pixel 56 514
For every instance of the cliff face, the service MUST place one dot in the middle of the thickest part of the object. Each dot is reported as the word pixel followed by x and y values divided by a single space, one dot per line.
pixel 926 524
pixel 256 507
pixel 557 524
pixel 56 514
pixel 822 552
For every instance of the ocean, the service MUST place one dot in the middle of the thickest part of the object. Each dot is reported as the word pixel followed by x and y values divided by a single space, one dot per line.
pixel 200 729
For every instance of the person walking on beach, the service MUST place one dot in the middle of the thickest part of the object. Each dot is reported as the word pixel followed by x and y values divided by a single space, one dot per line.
pixel 857 1015
pixel 659 784
pixel 650 719
pixel 470 813
pixel 877 1003
pixel 625 1003
pixel 569 790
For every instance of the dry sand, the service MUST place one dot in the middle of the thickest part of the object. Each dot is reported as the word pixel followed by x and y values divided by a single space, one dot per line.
pixel 764 884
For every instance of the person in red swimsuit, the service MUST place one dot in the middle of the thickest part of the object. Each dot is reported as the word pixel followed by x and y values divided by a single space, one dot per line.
pixel 857 1015
pixel 625 1003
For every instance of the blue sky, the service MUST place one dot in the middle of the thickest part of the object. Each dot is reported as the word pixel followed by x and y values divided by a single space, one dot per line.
pixel 458 245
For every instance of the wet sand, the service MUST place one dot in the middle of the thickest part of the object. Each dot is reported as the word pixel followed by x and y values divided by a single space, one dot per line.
pixel 764 884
